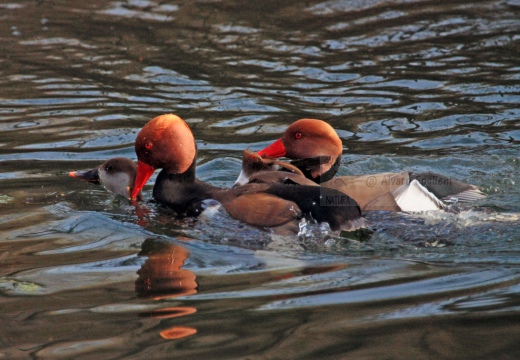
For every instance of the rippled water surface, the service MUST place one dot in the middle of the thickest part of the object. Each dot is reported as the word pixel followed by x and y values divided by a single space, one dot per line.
pixel 416 85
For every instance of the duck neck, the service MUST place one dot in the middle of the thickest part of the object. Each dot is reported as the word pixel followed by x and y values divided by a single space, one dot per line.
pixel 329 174
pixel 182 192
pixel 187 177
pixel 318 169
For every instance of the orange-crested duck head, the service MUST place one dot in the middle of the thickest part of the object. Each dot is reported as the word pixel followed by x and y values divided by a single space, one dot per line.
pixel 308 138
pixel 165 142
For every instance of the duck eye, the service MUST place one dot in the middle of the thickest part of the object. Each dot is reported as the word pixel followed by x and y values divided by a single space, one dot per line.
pixel 109 167
pixel 298 135
pixel 148 146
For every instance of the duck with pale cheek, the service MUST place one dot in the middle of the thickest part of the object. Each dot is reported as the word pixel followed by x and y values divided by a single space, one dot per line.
pixel 167 143
pixel 116 175
pixel 316 150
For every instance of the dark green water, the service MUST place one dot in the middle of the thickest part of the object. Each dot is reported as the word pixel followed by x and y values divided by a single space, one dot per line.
pixel 415 85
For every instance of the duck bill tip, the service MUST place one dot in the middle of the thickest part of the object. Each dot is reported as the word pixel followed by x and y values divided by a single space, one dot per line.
pixel 87 175
pixel 275 150
pixel 144 172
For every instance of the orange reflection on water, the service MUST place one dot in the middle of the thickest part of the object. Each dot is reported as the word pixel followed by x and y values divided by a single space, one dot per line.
pixel 161 277
pixel 171 312
pixel 177 332
pixel 142 212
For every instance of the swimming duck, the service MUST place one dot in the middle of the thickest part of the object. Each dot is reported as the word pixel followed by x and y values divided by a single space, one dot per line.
pixel 316 150
pixel 116 175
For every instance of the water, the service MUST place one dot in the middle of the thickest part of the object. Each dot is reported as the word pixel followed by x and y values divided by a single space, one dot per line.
pixel 416 85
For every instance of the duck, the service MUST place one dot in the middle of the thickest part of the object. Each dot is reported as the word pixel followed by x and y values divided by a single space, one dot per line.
pixel 116 175
pixel 167 143
pixel 256 169
pixel 316 149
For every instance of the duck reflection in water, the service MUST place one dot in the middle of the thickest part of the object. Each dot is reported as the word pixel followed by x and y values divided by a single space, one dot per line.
pixel 161 277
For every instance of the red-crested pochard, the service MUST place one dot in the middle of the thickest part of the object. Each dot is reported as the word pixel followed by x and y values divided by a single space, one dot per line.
pixel 116 175
pixel 166 142
pixel 256 169
pixel 316 150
